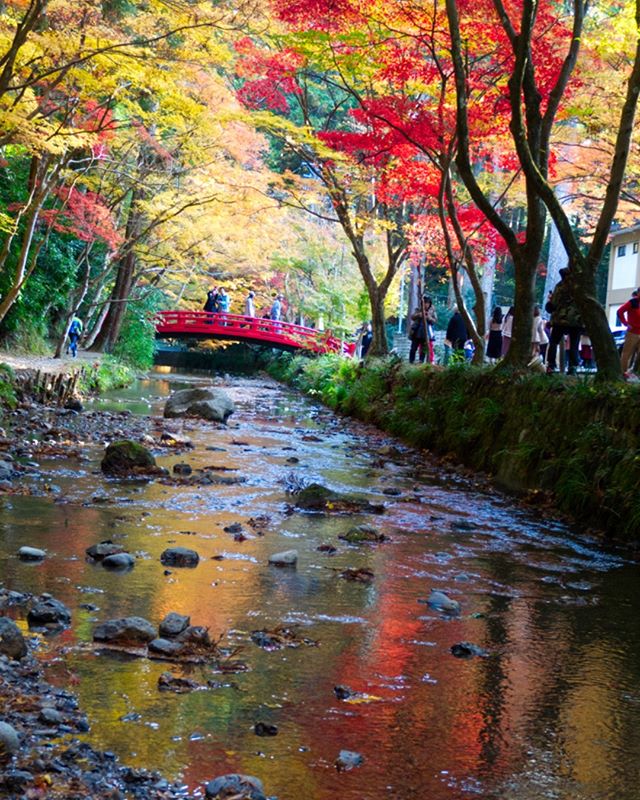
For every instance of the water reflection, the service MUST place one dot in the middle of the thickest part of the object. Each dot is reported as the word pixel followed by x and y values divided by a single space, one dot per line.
pixel 551 712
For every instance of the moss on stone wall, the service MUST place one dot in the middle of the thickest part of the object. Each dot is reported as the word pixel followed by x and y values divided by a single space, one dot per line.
pixel 575 439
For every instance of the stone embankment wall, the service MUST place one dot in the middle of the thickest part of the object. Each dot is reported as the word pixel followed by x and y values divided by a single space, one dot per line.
pixel 575 441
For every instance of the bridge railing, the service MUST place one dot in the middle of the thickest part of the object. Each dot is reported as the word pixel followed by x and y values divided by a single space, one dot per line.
pixel 225 325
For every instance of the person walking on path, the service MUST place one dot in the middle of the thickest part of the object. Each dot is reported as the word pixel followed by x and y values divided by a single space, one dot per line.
pixel 417 336
pixel 565 320
pixel 629 316
pixel 431 315
pixel 75 331
pixel 365 341
pixel 539 336
pixel 494 343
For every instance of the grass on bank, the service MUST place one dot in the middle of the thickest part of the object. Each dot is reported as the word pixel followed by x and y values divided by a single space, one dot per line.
pixel 576 439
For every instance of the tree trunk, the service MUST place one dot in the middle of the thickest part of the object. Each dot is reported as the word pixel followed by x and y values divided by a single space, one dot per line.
pixel 379 344
pixel 521 348
pixel 108 335
pixel 21 272
pixel 597 325
pixel 125 278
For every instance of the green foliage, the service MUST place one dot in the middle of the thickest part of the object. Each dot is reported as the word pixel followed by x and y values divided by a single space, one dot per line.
pixel 576 440
pixel 136 343
pixel 8 397
pixel 104 375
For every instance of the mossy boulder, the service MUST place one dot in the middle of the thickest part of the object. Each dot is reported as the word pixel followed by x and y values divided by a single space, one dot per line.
pixel 363 534
pixel 316 497
pixel 128 458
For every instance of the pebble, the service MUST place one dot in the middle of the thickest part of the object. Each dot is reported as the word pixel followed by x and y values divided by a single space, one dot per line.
pixel 31 554
pixel 288 558
pixel 9 739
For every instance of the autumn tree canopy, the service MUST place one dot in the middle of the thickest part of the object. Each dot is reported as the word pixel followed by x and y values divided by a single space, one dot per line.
pixel 152 149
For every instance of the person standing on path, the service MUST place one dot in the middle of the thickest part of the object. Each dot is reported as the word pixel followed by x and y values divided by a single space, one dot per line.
pixel 417 336
pixel 629 316
pixel 507 329
pixel 75 331
pixel 455 337
pixel 494 343
pixel 565 320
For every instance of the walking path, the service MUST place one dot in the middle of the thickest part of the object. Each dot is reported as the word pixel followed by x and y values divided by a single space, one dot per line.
pixel 52 366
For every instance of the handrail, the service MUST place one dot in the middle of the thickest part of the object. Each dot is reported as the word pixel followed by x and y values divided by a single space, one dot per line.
pixel 224 325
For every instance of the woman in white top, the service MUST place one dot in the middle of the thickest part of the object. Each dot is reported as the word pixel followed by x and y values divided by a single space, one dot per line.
pixel 507 327
pixel 539 335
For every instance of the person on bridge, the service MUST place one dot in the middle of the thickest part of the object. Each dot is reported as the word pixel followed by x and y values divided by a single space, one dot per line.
pixel 276 308
pixel 250 304
pixel 223 301
pixel 211 304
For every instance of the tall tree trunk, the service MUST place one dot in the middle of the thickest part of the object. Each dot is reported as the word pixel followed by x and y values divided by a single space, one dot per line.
pixel 22 272
pixel 379 343
pixel 110 330
pixel 521 348
pixel 125 277
pixel 597 325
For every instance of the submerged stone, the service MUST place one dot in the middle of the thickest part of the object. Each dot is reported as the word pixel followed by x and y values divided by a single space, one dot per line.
pixel 179 557
pixel 288 558
pixel 31 554
pixel 348 759
pixel 362 534
pixel 316 497
pixel 126 457
pixel 468 650
pixel 125 630
pixel 238 787
pixel 119 561
pixel 440 601
pixel 103 549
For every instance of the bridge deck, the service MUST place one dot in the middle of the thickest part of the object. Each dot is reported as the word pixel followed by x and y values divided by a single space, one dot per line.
pixel 268 332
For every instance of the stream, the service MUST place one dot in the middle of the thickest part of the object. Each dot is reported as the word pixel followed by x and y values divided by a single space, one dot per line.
pixel 552 710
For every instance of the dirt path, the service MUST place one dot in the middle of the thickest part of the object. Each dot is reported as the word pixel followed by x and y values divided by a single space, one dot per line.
pixel 53 366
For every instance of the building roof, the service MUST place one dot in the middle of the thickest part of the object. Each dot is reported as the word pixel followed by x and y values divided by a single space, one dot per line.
pixel 623 231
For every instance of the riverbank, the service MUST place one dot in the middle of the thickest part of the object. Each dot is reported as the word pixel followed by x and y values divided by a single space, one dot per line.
pixel 572 441
pixel 62 381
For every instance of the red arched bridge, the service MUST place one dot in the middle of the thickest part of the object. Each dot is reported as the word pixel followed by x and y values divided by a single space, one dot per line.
pixel 256 330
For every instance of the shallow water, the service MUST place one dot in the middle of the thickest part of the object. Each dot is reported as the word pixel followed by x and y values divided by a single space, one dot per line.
pixel 552 712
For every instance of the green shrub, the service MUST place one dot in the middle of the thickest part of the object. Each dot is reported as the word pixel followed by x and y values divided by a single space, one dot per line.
pixel 8 397
pixel 104 375
pixel 577 440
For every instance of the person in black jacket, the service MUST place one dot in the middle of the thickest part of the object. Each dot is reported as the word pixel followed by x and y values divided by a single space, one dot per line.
pixel 455 336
